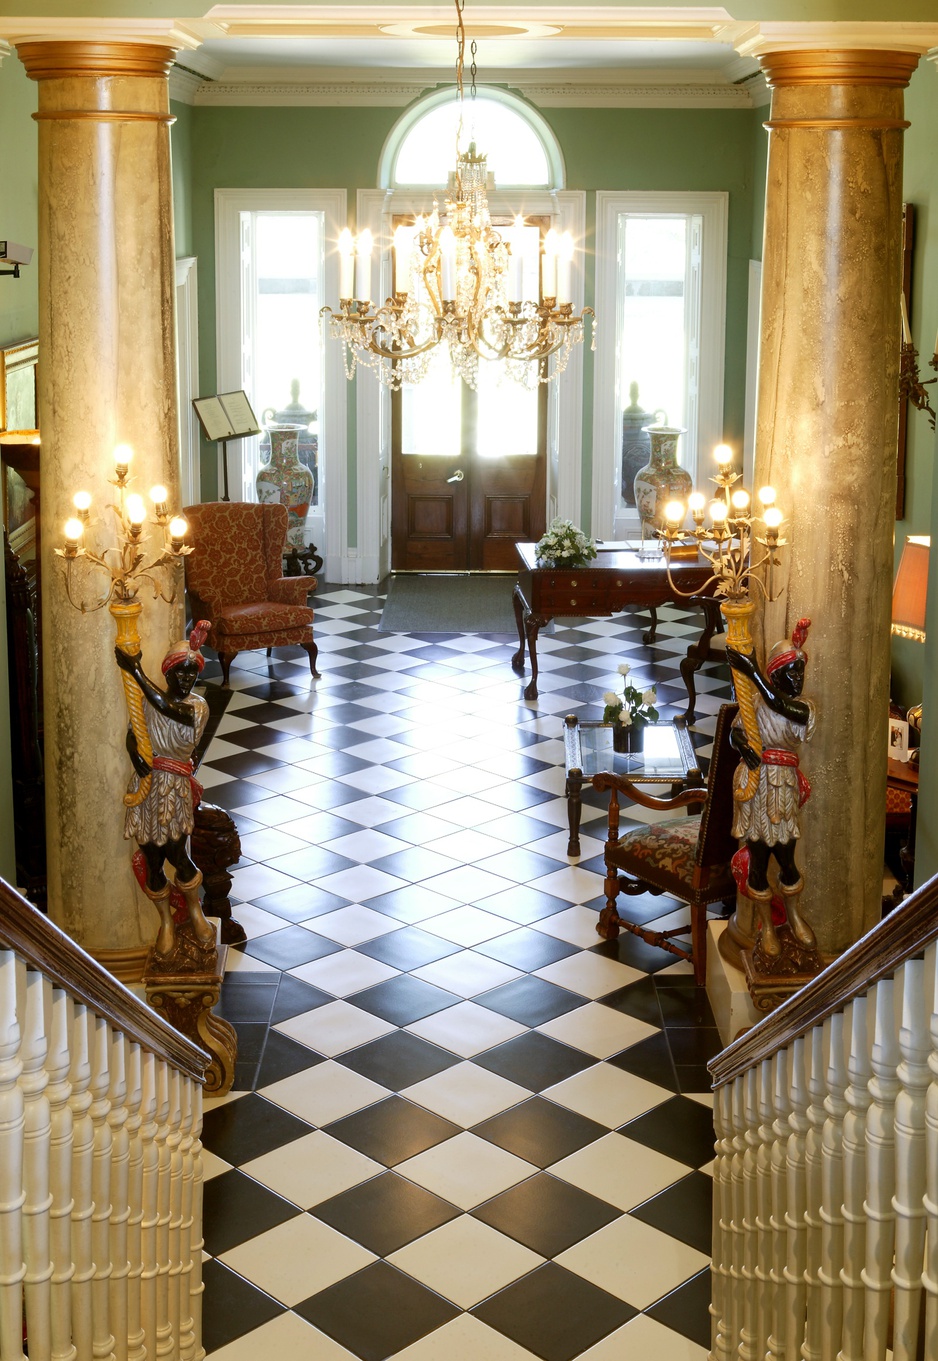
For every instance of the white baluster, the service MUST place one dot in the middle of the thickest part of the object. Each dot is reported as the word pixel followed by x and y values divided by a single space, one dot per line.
pixel 748 1338
pixel 99 1039
pixel 796 1195
pixel 781 1129
pixel 134 1068
pixel 164 1335
pixel 38 1200
pixel 815 1068
pixel 82 1204
pixel 721 1347
pixel 196 1287
pixel 120 1204
pixel 60 1176
pixel 930 1276
pixel 12 1269
pixel 764 1078
pixel 909 1200
pixel 174 1144
pixel 832 1188
pixel 857 1099
pixel 737 1193
pixel 150 1202
pixel 186 1333
pixel 881 1173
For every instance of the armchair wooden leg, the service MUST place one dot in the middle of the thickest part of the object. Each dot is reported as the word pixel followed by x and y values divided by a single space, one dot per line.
pixel 226 658
pixel 313 652
pixel 608 924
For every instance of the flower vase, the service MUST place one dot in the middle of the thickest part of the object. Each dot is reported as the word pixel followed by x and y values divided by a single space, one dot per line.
pixel 286 480
pixel 661 480
pixel 628 739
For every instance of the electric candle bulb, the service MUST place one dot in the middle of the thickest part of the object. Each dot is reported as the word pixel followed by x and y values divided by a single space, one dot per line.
pixel 773 517
pixel 82 502
pixel 674 512
pixel 346 263
pixel 448 264
pixel 696 501
pixel 178 528
pixel 136 510
pixel 767 495
pixel 717 512
pixel 159 496
pixel 74 530
pixel 363 266
pixel 122 457
pixel 723 454
pixel 740 499
pixel 549 265
pixel 401 254
pixel 515 278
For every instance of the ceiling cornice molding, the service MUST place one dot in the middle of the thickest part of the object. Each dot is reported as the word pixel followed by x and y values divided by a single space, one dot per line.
pixel 760 38
pixel 757 88
pixel 184 85
pixel 181 34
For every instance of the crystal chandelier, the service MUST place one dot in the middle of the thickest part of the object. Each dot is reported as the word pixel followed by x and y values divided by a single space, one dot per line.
pixel 458 282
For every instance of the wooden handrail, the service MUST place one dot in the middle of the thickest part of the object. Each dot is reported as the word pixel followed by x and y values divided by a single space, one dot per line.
pixel 902 935
pixel 49 950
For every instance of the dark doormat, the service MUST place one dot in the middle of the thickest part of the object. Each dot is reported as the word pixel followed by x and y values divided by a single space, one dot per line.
pixel 445 604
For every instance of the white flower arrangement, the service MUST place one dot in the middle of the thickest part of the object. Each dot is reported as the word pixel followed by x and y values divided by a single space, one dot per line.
pixel 564 545
pixel 633 706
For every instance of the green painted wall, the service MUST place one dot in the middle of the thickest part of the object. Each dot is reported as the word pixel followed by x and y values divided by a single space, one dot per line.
pixel 181 147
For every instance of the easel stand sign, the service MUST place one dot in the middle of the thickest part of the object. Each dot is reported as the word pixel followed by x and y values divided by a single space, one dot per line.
pixel 223 417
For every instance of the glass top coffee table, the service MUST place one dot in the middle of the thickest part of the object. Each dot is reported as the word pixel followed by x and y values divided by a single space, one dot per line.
pixel 667 757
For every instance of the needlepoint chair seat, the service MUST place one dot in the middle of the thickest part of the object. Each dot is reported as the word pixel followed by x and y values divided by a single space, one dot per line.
pixel 687 857
pixel 235 580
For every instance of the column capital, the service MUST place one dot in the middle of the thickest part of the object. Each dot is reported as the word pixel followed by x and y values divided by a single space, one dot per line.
pixel 829 66
pixel 174 34
pixel 762 39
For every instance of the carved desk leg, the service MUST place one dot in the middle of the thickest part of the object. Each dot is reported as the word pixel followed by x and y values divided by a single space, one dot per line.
pixel 519 604
pixel 651 634
pixel 215 846
pixel 183 987
pixel 532 626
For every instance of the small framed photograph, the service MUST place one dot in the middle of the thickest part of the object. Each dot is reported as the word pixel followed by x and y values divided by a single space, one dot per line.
pixel 898 740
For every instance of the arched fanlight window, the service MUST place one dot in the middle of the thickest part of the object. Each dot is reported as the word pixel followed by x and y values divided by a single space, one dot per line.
pixel 520 147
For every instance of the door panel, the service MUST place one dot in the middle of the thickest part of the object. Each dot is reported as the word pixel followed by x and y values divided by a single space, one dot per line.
pixel 428 515
pixel 507 504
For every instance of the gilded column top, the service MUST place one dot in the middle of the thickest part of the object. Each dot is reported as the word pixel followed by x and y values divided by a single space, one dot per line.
pixel 62 60
pixel 832 66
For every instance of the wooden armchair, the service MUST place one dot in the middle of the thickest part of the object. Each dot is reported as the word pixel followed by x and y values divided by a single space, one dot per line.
pixel 687 857
pixel 235 580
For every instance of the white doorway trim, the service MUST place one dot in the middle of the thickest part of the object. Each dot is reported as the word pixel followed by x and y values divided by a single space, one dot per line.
pixel 187 379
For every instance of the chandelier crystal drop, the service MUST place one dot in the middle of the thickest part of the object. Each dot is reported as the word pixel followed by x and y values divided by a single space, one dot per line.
pixel 458 282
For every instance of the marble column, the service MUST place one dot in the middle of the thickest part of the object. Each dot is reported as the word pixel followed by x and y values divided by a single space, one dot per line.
pixel 826 439
pixel 107 376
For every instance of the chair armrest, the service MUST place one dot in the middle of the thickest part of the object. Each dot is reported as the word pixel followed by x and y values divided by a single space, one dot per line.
pixel 622 785
pixel 290 590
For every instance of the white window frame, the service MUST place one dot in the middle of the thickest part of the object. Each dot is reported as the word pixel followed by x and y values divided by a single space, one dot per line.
pixel 187 379
pixel 328 522
pixel 609 518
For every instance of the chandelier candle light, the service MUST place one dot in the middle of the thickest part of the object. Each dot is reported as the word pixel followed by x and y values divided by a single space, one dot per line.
pixel 724 532
pixel 127 571
pixel 458 281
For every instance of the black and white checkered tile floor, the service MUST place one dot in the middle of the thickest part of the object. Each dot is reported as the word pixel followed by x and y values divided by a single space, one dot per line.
pixel 464 1128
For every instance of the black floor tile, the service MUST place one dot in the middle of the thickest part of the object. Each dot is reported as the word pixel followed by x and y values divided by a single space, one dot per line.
pixel 527 949
pixel 545 1214
pixel 231 1306
pixel 679 1128
pixel 313 862
pixel 408 948
pixel 693 1077
pixel 650 1059
pixel 246 1128
pixel 414 863
pixel 687 1309
pixel 377 1312
pixel 404 1000
pixel 245 763
pixel 392 1130
pixel 684 1211
pixel 282 1057
pixel 540 1131
pixel 420 796
pixel 398 1060
pixel 534 1061
pixel 247 999
pixel 300 903
pixel 530 1001
pixel 685 1006
pixel 694 1044
pixel 289 948
pixel 524 904
pixel 236 1207
pixel 385 1213
pixel 237 793
pixel 258 735
pixel 639 1000
pixel 554 1313
pixel 637 953
pixel 294 997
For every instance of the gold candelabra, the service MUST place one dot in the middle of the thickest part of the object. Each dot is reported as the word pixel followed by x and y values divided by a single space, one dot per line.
pixel 911 386
pixel 725 532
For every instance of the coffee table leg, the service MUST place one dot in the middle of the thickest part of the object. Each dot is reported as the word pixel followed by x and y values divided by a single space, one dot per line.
pixel 532 627
pixel 518 601
pixel 574 809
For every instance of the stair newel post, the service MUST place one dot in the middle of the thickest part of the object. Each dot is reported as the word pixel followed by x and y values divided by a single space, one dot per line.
pixel 164 1336
pixel 781 1108
pixel 34 1083
pixel 82 1203
pixel 120 1184
pixel 60 1176
pixel 749 1337
pixel 832 1187
pixel 174 1144
pixel 815 1067
pixel 930 1274
pixel 857 1100
pixel 187 1344
pixel 881 1172
pixel 149 1200
pixel 909 1200
pixel 722 1346
pixel 796 1257
pixel 134 1069
pixel 765 1079
pixel 99 1037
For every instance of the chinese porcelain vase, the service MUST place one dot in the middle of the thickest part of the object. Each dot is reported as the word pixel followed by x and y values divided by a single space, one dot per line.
pixel 286 480
pixel 661 480
pixel 636 442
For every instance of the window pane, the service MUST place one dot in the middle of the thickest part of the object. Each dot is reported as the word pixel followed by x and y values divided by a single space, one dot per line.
pixel 431 418
pixel 514 151
pixel 507 420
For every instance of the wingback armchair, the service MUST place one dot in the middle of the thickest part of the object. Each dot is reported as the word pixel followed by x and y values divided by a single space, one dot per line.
pixel 235 580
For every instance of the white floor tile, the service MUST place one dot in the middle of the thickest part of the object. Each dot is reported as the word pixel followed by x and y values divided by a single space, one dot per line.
pixel 467 925
pixel 607 1094
pixel 571 882
pixel 467 883
pixel 633 1261
pixel 598 1030
pixel 367 845
pixel 464 1339
pixel 310 1170
pixel 269 843
pixel 467 974
pixel 239 962
pixel 377 779
pixel 642 1339
pixel 287 1337
pixel 255 881
pixel 466 845
pixel 590 975
pixel 325 1093
pixel 466 1094
pixel 577 926
pixel 352 925
pixel 465 1261
pixel 344 973
pixel 619 1171
pixel 297 1259
pixel 212 1165
pixel 466 1170
pixel 256 921
pixel 334 1028
pixel 360 883
pixel 467 1029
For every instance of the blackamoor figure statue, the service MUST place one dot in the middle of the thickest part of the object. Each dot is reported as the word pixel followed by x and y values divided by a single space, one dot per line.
pixel 767 821
pixel 163 793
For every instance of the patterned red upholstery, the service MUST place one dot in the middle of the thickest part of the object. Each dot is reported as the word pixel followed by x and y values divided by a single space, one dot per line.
pixel 235 580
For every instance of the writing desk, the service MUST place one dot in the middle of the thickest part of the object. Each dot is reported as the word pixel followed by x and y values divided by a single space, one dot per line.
pixel 613 581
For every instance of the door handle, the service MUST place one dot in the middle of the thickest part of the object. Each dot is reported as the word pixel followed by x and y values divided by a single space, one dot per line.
pixel 457 476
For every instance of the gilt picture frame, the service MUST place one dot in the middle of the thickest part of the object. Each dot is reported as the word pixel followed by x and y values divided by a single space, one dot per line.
pixel 19 386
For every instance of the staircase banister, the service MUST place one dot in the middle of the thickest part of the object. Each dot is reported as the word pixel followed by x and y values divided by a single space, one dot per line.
pixel 902 935
pixel 45 947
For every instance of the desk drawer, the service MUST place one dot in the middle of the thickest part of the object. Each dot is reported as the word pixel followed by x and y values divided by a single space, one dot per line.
pixel 573 594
